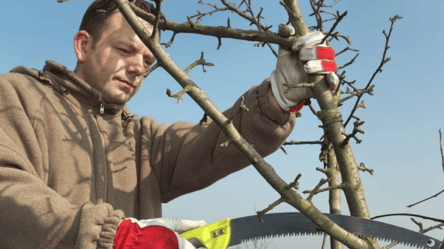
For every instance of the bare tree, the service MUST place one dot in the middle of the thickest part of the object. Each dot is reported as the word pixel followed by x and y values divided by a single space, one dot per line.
pixel 329 113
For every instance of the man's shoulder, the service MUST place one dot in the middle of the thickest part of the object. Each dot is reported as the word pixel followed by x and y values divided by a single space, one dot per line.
pixel 22 80
pixel 20 75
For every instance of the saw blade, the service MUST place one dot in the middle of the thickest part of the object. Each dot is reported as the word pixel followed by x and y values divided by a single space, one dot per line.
pixel 274 225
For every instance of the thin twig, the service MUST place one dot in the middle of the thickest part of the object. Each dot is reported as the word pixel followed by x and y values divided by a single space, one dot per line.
pixel 243 15
pixel 363 168
pixel 340 17
pixel 314 192
pixel 218 32
pixel 345 49
pixel 295 183
pixel 337 35
pixel 349 63
pixel 356 129
pixel 178 95
pixel 379 69
pixel 283 150
pixel 331 5
pixel 406 214
pixel 414 204
pixel 158 13
pixel 442 153
pixel 317 14
pixel 151 69
pixel 242 107
pixel 324 241
pixel 357 93
pixel 316 189
pixel 292 142
pixel 204 119
pixel 201 61
pixel 420 231
pixel 199 15
pixel 313 110
pixel 167 45
pixel 261 214
pixel 254 20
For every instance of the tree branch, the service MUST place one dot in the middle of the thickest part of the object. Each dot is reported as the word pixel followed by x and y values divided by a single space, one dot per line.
pixel 219 31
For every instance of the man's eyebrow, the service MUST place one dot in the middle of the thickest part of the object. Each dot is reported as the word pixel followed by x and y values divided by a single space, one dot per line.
pixel 127 44
pixel 131 46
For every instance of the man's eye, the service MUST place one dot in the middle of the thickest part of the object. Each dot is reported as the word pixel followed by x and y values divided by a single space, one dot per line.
pixel 123 50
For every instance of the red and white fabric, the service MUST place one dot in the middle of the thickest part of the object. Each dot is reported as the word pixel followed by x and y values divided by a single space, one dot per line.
pixel 320 59
pixel 154 233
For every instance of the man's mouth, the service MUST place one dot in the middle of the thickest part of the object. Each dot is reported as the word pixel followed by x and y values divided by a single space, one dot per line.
pixel 126 82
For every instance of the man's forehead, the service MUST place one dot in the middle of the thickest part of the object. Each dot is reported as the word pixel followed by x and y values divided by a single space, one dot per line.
pixel 117 23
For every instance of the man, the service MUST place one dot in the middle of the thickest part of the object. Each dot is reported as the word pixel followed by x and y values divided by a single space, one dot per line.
pixel 74 163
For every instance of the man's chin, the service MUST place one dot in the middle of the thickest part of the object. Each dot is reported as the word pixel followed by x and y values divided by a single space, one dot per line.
pixel 120 100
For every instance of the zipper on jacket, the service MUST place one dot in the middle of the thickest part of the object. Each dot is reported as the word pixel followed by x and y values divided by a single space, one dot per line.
pixel 102 107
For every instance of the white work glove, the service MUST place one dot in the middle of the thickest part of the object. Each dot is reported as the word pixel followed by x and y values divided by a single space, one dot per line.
pixel 290 69
pixel 155 233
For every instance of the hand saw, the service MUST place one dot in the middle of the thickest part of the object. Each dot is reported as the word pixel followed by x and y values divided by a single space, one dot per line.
pixel 230 232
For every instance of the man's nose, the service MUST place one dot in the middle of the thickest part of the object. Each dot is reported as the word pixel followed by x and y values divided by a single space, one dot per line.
pixel 136 65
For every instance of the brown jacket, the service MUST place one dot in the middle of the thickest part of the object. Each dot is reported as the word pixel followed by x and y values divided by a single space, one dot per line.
pixel 68 173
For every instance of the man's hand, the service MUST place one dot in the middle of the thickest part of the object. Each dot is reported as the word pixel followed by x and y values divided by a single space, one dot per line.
pixel 155 233
pixel 290 69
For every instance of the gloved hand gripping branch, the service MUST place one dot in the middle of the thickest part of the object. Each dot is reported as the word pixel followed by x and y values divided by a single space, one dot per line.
pixel 290 68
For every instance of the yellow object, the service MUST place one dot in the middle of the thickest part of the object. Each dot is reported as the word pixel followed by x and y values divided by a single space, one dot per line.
pixel 213 236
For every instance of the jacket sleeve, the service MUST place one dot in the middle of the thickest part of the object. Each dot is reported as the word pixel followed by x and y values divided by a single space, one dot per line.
pixel 187 157
pixel 32 214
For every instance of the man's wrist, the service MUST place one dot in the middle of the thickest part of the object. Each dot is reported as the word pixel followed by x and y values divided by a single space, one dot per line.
pixel 274 103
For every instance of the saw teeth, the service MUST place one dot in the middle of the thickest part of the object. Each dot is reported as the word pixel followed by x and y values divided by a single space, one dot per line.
pixel 311 233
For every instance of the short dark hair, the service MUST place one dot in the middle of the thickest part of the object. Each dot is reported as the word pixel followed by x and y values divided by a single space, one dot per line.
pixel 100 11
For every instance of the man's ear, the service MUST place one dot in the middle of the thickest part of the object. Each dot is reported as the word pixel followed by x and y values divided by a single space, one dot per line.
pixel 82 44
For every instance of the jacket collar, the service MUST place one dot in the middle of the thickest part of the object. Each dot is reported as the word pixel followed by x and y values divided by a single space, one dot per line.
pixel 69 82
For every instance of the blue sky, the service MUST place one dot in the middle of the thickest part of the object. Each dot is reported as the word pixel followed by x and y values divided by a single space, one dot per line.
pixel 401 140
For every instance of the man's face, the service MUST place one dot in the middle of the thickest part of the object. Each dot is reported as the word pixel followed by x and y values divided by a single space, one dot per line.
pixel 117 60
